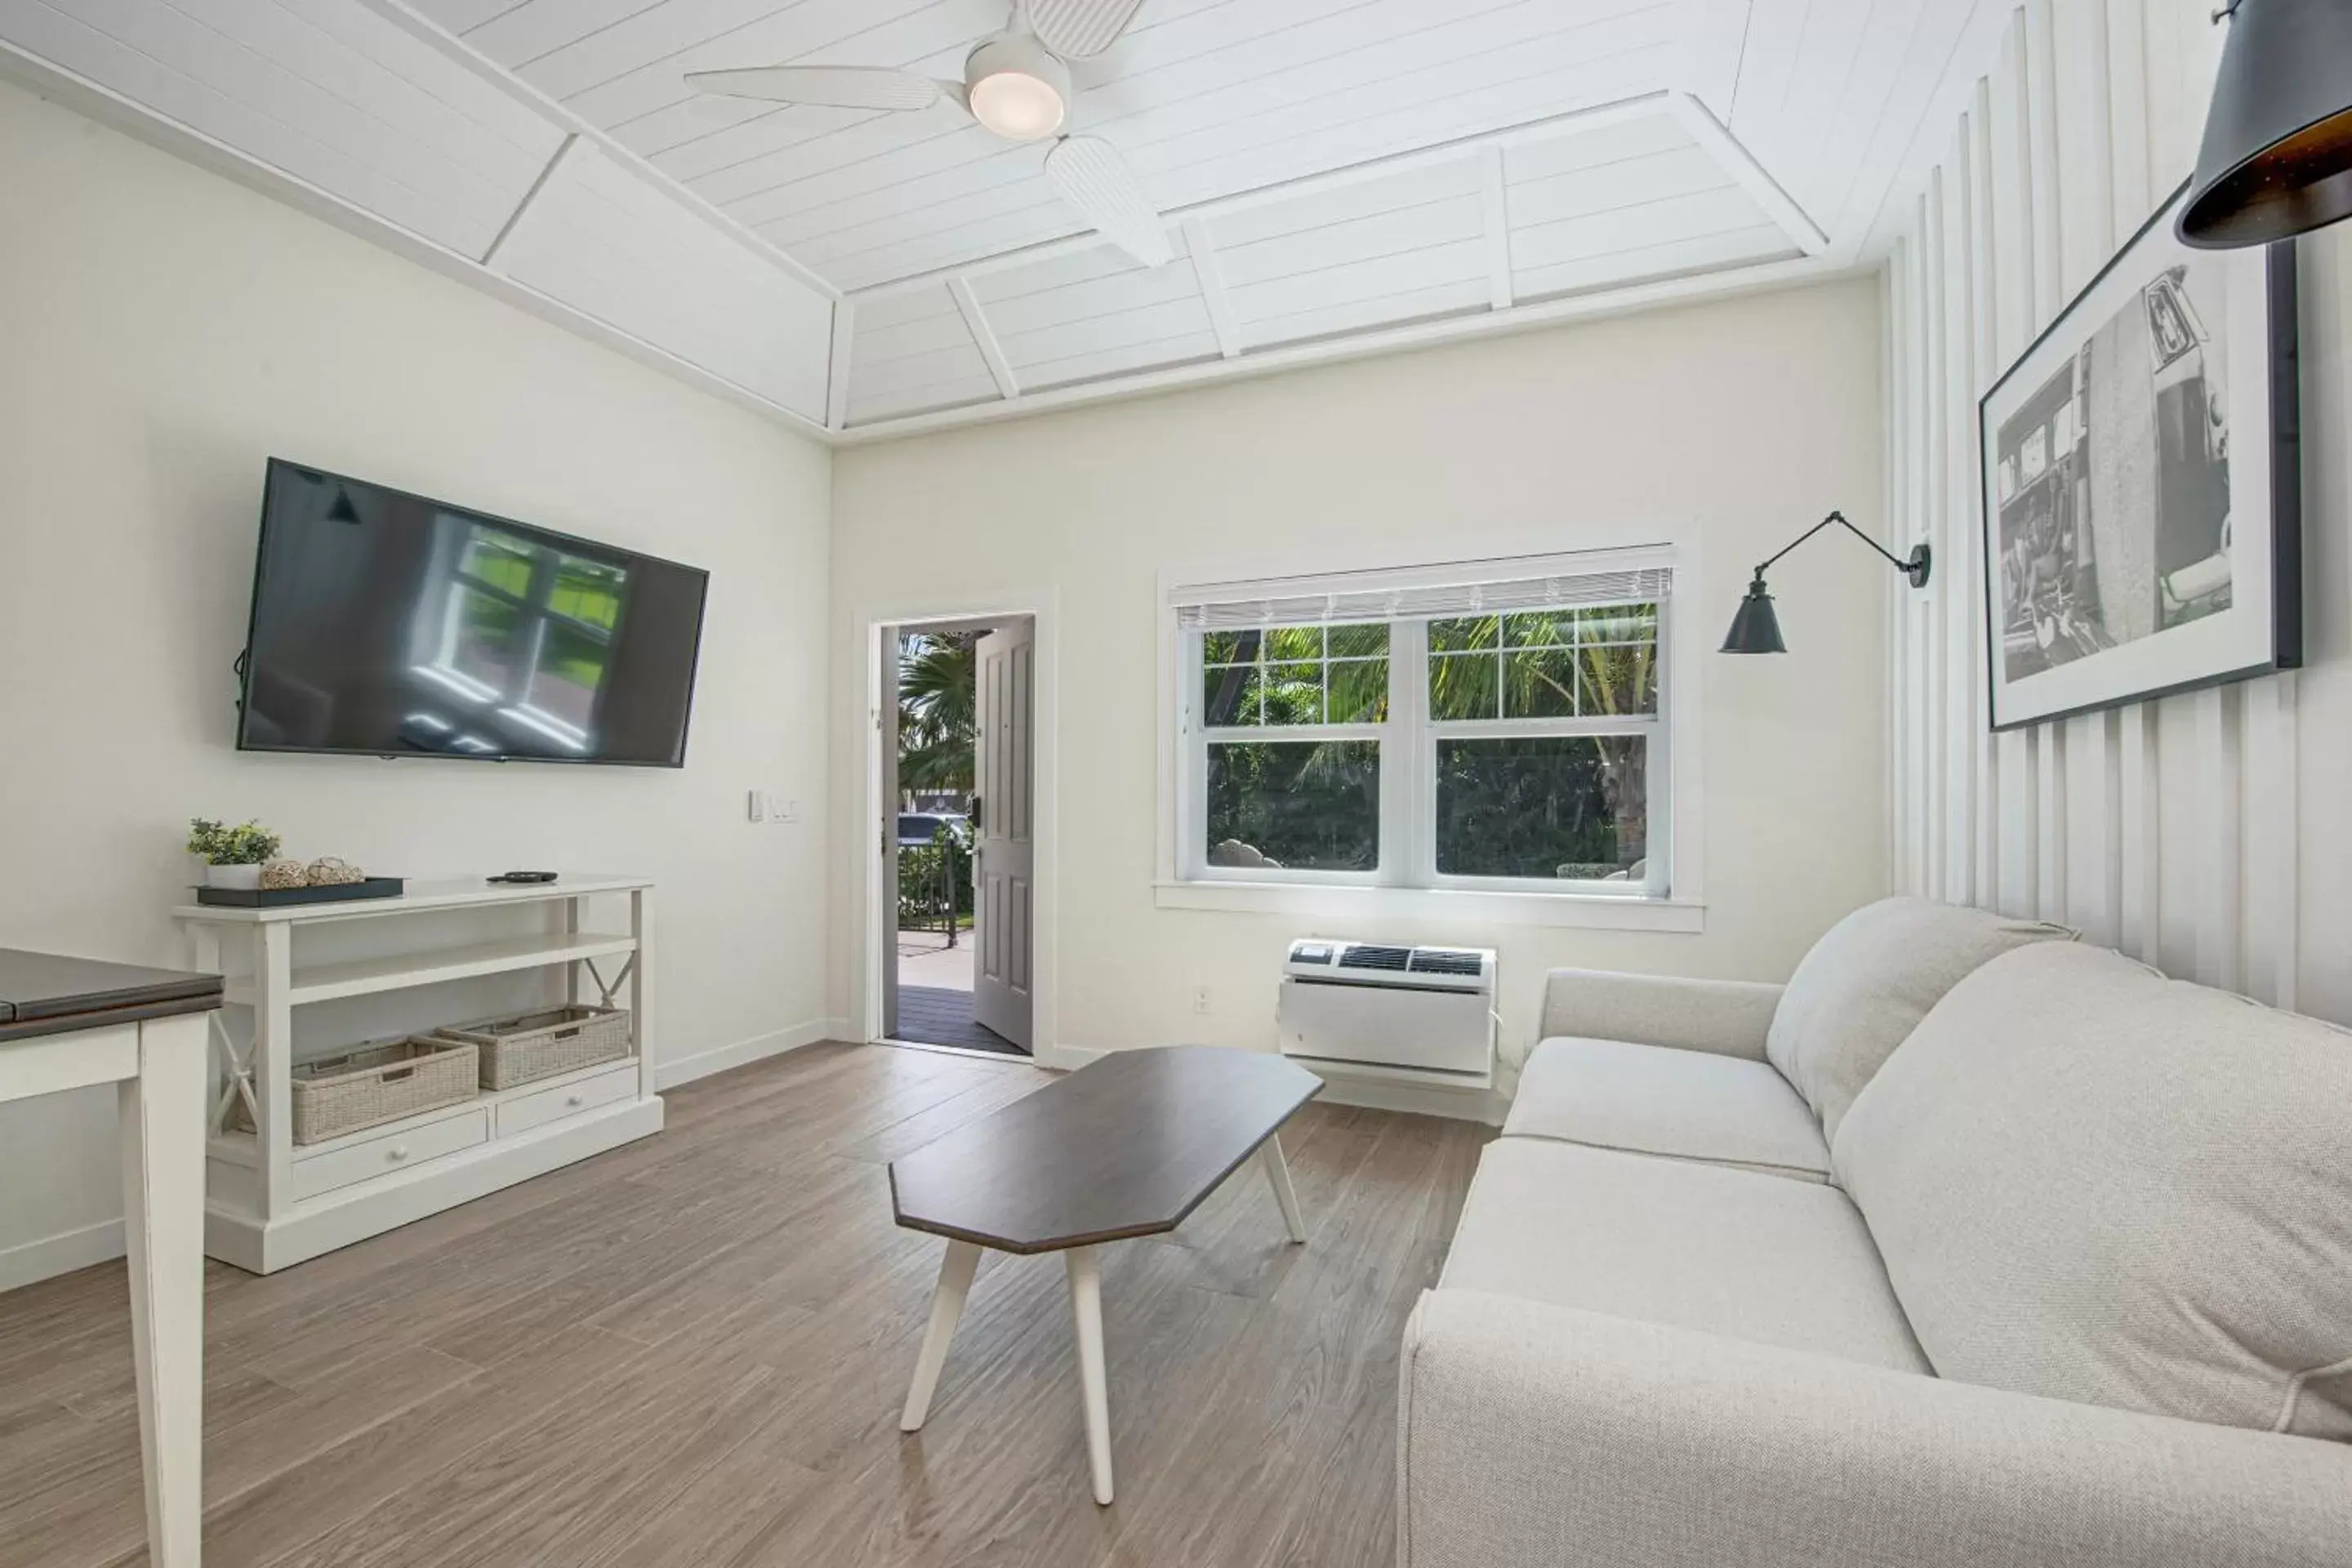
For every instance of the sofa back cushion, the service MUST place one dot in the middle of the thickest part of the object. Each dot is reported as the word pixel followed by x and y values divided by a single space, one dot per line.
pixel 2095 1183
pixel 1868 982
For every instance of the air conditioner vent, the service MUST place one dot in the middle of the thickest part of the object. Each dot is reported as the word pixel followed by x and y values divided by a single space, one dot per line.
pixel 1360 956
pixel 1443 961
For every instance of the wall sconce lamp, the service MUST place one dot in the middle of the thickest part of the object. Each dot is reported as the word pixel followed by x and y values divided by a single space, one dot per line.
pixel 1756 627
pixel 2277 158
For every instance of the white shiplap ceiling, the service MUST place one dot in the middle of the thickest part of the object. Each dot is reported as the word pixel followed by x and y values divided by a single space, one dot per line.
pixel 1341 176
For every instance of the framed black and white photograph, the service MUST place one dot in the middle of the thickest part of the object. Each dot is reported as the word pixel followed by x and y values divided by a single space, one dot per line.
pixel 2142 503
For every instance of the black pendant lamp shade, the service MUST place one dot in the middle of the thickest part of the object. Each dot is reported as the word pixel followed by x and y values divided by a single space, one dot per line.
pixel 2278 159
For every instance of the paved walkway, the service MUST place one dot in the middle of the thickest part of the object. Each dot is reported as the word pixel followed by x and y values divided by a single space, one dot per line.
pixel 926 959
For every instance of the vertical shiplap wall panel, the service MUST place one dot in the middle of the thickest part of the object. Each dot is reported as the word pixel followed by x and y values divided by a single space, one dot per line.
pixel 2139 840
pixel 1956 555
pixel 1992 830
pixel 1909 689
pixel 1934 490
pixel 2043 204
pixel 2011 216
pixel 2091 825
pixel 2169 828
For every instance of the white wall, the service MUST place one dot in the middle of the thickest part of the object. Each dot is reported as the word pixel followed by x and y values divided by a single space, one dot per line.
pixel 1735 424
pixel 161 333
pixel 2204 833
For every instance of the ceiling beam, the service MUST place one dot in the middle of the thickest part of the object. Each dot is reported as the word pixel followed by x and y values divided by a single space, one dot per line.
pixel 1495 205
pixel 1210 275
pixel 514 219
pixel 983 337
pixel 1747 174
pixel 836 374
pixel 1610 302
pixel 1641 105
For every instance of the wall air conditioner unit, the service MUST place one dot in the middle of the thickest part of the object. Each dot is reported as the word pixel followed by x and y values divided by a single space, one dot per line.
pixel 1410 1014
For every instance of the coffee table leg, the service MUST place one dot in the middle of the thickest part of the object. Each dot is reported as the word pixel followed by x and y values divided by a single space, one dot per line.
pixel 956 1270
pixel 1086 1306
pixel 1277 1171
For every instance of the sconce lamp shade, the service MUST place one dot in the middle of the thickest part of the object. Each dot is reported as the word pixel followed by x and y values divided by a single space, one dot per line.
pixel 2277 158
pixel 1754 626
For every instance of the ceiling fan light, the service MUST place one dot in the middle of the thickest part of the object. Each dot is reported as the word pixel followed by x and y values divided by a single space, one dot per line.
pixel 1017 89
pixel 1016 107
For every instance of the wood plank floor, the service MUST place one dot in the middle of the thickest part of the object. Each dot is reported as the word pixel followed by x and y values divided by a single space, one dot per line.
pixel 693 1351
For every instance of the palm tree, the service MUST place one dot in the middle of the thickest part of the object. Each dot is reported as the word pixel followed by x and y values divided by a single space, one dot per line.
pixel 938 689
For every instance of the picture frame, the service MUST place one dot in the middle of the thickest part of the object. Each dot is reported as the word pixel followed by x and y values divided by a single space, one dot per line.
pixel 2140 473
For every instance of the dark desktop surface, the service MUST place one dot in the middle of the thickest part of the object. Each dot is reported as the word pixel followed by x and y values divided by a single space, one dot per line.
pixel 48 993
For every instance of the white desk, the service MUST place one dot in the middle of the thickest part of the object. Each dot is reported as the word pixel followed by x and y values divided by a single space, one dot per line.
pixel 71 1024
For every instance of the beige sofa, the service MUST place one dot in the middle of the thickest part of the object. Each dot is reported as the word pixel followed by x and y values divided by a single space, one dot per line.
pixel 1971 1246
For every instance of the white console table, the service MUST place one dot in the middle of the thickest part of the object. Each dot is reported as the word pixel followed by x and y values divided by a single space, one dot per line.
pixel 268 1204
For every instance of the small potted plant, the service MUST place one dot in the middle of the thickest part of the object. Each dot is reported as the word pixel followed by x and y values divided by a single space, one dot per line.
pixel 232 855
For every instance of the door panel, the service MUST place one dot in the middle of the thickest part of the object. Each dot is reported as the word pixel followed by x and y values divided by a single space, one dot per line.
pixel 885 841
pixel 1004 836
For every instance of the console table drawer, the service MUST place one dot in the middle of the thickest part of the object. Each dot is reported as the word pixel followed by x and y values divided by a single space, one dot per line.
pixel 395 1151
pixel 526 1111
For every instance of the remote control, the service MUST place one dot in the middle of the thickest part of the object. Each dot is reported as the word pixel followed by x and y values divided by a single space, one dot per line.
pixel 524 877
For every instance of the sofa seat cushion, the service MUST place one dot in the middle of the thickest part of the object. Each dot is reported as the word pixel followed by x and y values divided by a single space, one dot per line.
pixel 1865 986
pixel 1684 1105
pixel 1750 1256
pixel 2092 1183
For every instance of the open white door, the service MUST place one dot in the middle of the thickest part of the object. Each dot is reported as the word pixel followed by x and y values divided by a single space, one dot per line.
pixel 885 841
pixel 1003 833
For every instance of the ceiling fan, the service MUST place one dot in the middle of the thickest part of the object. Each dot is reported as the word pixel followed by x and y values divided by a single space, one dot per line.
pixel 1015 84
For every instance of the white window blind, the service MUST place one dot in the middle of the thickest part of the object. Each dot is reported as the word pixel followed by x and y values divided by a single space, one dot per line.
pixel 1231 606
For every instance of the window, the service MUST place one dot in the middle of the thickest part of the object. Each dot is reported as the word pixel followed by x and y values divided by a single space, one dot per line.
pixel 1507 733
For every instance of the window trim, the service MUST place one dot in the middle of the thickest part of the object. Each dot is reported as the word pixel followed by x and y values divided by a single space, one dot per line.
pixel 1670 899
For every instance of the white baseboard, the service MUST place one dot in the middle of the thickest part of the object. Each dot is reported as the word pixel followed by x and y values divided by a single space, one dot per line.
pixel 52 1256
pixel 742 1053
pixel 1485 1105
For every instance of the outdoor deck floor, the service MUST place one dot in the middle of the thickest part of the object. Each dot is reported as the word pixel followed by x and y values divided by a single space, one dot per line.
pixel 934 1015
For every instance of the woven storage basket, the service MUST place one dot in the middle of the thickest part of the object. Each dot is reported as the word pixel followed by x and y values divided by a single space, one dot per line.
pixel 376 1083
pixel 523 1047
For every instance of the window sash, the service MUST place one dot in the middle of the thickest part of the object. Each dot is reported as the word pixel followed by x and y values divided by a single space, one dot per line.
pixel 1409 740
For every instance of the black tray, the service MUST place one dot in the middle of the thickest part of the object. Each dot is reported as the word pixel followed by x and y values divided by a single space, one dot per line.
pixel 279 898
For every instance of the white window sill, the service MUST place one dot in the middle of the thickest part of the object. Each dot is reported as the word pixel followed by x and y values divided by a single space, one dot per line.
pixel 1591 912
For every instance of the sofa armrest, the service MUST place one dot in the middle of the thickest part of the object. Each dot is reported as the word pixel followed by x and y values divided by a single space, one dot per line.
pixel 1728 1017
pixel 1532 1434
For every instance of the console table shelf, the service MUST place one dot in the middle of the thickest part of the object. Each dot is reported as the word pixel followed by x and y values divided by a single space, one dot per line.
pixel 363 977
pixel 269 1204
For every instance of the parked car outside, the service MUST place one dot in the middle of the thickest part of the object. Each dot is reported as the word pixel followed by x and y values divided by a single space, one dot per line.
pixel 921 827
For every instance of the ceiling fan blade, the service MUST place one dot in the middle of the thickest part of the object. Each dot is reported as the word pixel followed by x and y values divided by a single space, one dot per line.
pixel 1088 172
pixel 1079 29
pixel 833 86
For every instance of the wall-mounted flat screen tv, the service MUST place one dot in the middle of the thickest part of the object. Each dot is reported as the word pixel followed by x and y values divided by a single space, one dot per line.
pixel 389 624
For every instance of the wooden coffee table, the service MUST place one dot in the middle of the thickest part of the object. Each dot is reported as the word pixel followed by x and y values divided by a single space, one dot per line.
pixel 1125 1146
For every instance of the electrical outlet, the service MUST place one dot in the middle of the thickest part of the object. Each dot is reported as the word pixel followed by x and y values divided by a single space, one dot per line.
pixel 1201 1000
pixel 756 807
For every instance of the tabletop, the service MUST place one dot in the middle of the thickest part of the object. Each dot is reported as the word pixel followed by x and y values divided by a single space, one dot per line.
pixel 1125 1146
pixel 49 993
